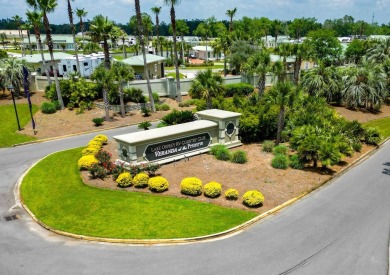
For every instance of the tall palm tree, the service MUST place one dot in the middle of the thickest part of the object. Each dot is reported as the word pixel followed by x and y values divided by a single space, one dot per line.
pixel 18 22
pixel 284 50
pixel 380 51
pixel 100 29
pixel 105 78
pixel 47 6
pixel 231 14
pixel 260 64
pixel 156 11
pixel 172 4
pixel 123 73
pixel 300 52
pixel 72 28
pixel 27 26
pixel 323 81
pixel 278 25
pixel 12 72
pixel 282 94
pixel 207 85
pixel 123 35
pixel 80 14
pixel 142 43
pixel 222 42
pixel 35 18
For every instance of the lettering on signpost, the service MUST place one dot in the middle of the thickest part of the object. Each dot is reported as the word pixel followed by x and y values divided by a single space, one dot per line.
pixel 179 146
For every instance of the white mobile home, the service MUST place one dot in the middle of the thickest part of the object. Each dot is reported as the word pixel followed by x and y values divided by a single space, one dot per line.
pixel 87 63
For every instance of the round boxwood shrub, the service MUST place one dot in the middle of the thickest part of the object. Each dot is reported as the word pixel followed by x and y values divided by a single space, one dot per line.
pixel 280 162
pixel 158 184
pixel 48 108
pixel 85 162
pixel 357 146
pixel 98 121
pixel 101 138
pixel 253 198
pixel 280 150
pixel 191 186
pixel 124 179
pixel 295 162
pixel 141 180
pixel 231 194
pixel 239 157
pixel 268 146
pixel 89 151
pixel 212 189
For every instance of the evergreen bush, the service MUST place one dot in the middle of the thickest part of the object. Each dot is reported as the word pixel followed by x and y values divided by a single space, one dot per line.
pixel 48 108
pixel 212 189
pixel 191 186
pixel 239 157
pixel 98 121
pixel 295 162
pixel 158 184
pixel 280 162
pixel 253 198
pixel 280 150
pixel 141 180
pixel 124 180
pixel 268 146
pixel 231 194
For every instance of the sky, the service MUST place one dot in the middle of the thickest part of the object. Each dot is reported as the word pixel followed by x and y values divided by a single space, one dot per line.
pixel 120 11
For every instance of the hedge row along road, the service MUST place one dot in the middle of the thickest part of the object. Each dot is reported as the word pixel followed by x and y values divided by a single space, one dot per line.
pixel 341 228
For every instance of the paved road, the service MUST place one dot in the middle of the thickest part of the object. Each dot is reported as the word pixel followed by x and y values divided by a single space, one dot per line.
pixel 341 229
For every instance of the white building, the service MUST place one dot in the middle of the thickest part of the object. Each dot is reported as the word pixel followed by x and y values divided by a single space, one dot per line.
pixel 88 63
pixel 206 53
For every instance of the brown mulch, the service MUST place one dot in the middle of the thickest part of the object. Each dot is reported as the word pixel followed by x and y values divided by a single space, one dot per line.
pixel 277 186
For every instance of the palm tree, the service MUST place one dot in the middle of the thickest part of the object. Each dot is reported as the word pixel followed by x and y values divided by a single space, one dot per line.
pixel 231 14
pixel 182 29
pixel 222 42
pixel 123 73
pixel 36 20
pixel 142 43
pixel 277 24
pixel 47 6
pixel 12 72
pixel 380 51
pixel 123 35
pixel 172 3
pixel 80 14
pixel 105 78
pixel 282 94
pixel 156 11
pixel 284 50
pixel 101 29
pixel 365 85
pixel 323 81
pixel 27 26
pixel 18 21
pixel 260 64
pixel 72 28
pixel 207 85
pixel 300 52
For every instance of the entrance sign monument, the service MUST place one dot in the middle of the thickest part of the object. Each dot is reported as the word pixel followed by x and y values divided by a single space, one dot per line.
pixel 175 142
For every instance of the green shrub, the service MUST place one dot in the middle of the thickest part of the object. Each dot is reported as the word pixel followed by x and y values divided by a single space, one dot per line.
pixel 187 103
pixel 116 171
pixel 124 180
pixel 280 162
pixel 104 157
pixel 239 157
pixel 162 107
pixel 357 146
pixel 89 151
pixel 215 148
pixel 178 117
pixel 98 121
pixel 295 162
pixel 101 138
pixel 48 108
pixel 85 162
pixel 98 172
pixel 156 97
pixel 158 184
pixel 253 198
pixel 141 180
pixel 268 146
pixel 280 150
pixel 146 111
pixel 231 194
pixel 161 124
pixel 241 89
pixel 212 189
pixel 191 186
pixel 134 95
pixel 223 154
pixel 144 125
pixel 372 136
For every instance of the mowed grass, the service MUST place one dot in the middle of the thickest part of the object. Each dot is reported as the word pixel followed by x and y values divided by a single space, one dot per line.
pixel 9 126
pixel 53 190
pixel 382 124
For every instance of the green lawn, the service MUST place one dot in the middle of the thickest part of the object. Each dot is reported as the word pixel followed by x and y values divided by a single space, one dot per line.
pixel 382 124
pixel 55 193
pixel 196 68
pixel 9 126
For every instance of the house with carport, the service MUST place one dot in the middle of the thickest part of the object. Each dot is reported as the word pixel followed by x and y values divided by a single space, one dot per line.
pixel 155 65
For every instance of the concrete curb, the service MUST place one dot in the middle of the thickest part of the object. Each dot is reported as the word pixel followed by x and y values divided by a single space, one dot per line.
pixel 181 241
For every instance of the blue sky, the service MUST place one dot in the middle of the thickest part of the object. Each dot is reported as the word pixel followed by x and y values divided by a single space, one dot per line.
pixel 121 10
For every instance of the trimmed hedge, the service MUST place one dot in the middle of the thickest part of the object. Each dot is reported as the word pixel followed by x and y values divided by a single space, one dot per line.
pixel 89 151
pixel 124 180
pixel 191 186
pixel 158 184
pixel 86 162
pixel 48 108
pixel 95 144
pixel 212 189
pixel 231 194
pixel 141 180
pixel 253 198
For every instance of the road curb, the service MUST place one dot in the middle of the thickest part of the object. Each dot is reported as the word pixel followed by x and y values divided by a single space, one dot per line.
pixel 181 241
